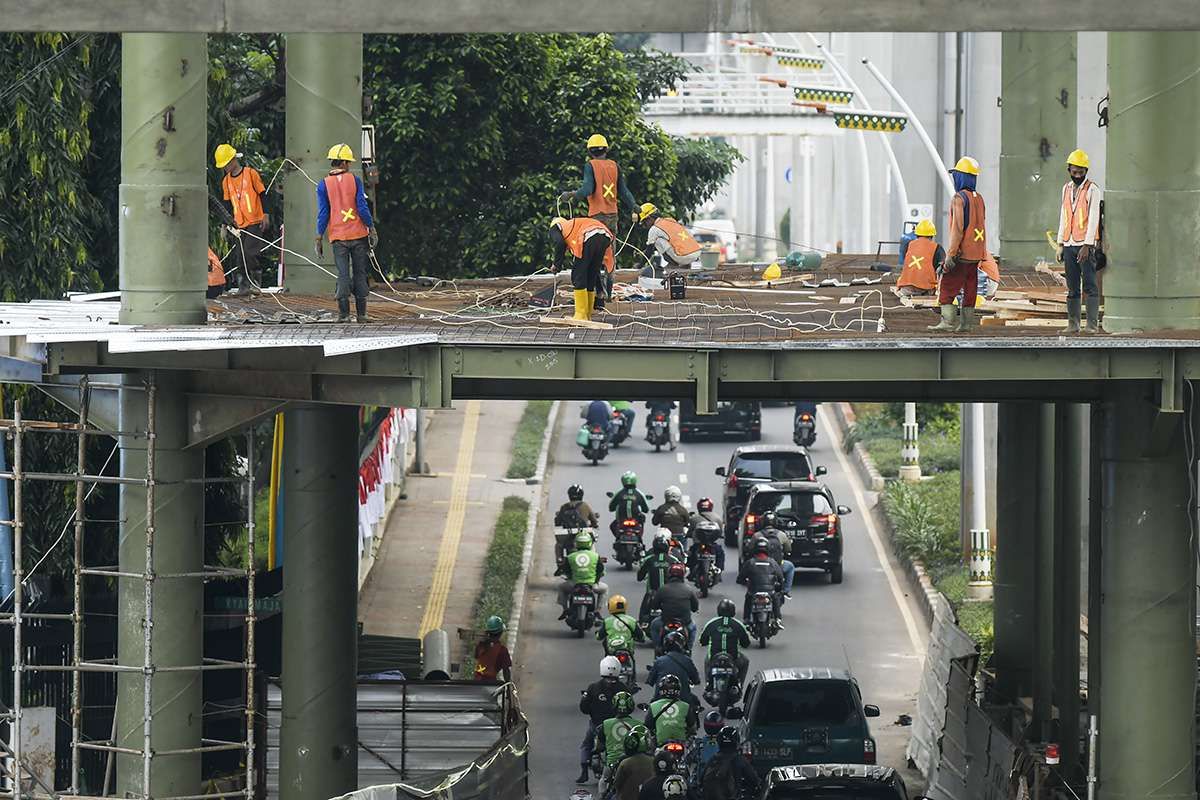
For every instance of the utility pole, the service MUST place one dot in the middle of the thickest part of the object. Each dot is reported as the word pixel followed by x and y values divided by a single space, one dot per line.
pixel 910 452
pixel 980 563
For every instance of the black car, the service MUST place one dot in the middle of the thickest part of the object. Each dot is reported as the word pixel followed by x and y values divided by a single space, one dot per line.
pixel 833 782
pixel 807 513
pixel 751 465
pixel 739 418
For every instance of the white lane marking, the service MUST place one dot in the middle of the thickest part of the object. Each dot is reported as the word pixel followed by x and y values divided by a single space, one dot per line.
pixel 910 624
pixel 679 457
pixel 683 477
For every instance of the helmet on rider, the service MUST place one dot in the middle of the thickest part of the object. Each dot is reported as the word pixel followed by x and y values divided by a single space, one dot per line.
pixel 575 493
pixel 662 541
pixel 760 545
pixel 617 604
pixel 674 786
pixel 637 740
pixel 726 608
pixel 713 722
pixel 623 704
pixel 610 667
pixel 669 687
pixel 494 626
pixel 769 519
pixel 673 494
pixel 676 572
pixel 583 541
pixel 629 479
pixel 704 504
pixel 675 640
pixel 727 738
pixel 664 762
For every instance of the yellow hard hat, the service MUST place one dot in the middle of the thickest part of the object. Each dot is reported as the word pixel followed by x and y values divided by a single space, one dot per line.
pixel 597 140
pixel 968 165
pixel 772 272
pixel 340 152
pixel 926 228
pixel 224 154
pixel 647 210
pixel 554 223
pixel 1078 158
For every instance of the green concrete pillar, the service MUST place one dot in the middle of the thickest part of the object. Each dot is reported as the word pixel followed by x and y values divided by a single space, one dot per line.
pixel 163 223
pixel 1014 567
pixel 1147 746
pixel 1037 131
pixel 178 603
pixel 318 734
pixel 1152 201
pixel 323 107
pixel 1072 428
pixel 1047 534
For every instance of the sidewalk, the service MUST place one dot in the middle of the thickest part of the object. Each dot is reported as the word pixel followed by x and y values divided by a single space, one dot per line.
pixel 427 573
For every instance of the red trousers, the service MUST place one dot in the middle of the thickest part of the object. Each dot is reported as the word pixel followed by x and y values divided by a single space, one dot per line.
pixel 963 278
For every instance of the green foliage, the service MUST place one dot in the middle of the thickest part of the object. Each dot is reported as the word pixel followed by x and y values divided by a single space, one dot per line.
pixel 527 443
pixel 501 566
pixel 939 453
pixel 925 518
pixel 934 417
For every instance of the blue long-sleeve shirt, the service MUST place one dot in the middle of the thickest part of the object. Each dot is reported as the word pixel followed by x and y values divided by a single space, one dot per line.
pixel 360 200
pixel 589 186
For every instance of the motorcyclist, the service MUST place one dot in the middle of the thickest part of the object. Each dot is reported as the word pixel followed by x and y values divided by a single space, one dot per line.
pixel 728 776
pixel 671 718
pixel 676 602
pixel 597 702
pixel 628 502
pixel 599 412
pixel 618 625
pixel 610 737
pixel 584 566
pixel 805 407
pixel 761 573
pixel 725 633
pixel 779 544
pixel 636 767
pixel 671 514
pixel 706 746
pixel 572 515
pixel 704 513
pixel 626 409
pixel 667 409
pixel 653 570
pixel 667 782
pixel 675 661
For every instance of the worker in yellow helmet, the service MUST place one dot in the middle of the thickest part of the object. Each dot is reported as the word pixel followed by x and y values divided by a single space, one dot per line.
pixel 922 258
pixel 343 211
pixel 967 248
pixel 1078 240
pixel 243 188
pixel 667 238
pixel 604 188
pixel 586 239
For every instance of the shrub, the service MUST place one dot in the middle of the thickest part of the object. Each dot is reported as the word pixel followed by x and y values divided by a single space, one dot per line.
pixel 527 443
pixel 925 518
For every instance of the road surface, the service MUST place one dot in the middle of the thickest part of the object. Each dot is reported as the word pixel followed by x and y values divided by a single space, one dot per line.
pixel 859 622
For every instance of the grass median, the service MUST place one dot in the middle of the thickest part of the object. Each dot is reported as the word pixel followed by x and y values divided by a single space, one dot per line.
pixel 501 567
pixel 527 443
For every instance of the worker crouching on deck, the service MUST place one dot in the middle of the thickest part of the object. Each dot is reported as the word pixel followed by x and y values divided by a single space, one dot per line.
pixel 967 248
pixel 923 258
pixel 668 238
pixel 586 240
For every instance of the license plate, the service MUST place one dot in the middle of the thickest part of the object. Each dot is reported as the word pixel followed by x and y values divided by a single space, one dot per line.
pixel 585 599
pixel 761 604
pixel 815 738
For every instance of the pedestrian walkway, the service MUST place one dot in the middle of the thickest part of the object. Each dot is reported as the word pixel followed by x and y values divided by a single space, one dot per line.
pixel 428 570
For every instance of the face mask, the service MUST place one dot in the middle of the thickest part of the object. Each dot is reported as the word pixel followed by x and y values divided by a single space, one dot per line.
pixel 1078 180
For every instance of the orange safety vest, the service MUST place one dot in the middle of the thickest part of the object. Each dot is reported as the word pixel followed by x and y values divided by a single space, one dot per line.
pixel 575 232
pixel 918 264
pixel 1075 215
pixel 681 241
pixel 990 267
pixel 244 193
pixel 344 222
pixel 216 273
pixel 603 199
pixel 973 246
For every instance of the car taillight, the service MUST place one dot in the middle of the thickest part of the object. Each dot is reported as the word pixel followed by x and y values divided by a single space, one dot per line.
pixel 868 751
pixel 826 519
pixel 733 480
pixel 751 521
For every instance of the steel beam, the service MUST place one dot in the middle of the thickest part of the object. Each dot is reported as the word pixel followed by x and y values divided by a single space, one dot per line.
pixel 1046 533
pixel 1148 610
pixel 211 417
pixel 1153 196
pixel 318 750
pixel 1037 131
pixel 1072 428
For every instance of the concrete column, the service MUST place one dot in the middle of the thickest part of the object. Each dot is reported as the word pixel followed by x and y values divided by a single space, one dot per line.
pixel 1147 742
pixel 163 222
pixel 762 225
pixel 1153 197
pixel 178 603
pixel 1046 530
pixel 1072 428
pixel 323 107
pixel 318 751
pixel 1014 566
pixel 1038 77
pixel 796 207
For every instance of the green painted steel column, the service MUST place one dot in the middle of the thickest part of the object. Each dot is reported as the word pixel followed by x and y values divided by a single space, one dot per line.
pixel 323 107
pixel 1147 745
pixel 1014 574
pixel 318 735
pixel 1152 201
pixel 1047 532
pixel 163 224
pixel 1072 428
pixel 1037 131
pixel 178 603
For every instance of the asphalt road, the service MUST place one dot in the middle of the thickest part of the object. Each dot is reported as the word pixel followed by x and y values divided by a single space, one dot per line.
pixel 860 622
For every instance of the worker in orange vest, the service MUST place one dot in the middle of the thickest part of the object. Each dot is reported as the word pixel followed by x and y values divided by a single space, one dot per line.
pixel 243 188
pixel 967 248
pixel 586 240
pixel 923 258
pixel 1078 230
pixel 670 239
pixel 603 187
pixel 342 210
pixel 216 276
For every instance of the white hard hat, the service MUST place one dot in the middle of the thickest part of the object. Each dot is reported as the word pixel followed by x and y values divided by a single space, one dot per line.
pixel 610 667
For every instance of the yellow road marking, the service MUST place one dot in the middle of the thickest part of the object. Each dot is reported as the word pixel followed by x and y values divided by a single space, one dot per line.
pixel 439 590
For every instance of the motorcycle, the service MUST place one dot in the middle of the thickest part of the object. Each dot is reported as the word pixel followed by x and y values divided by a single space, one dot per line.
pixel 594 442
pixel 722 689
pixel 629 548
pixel 564 543
pixel 581 609
pixel 706 574
pixel 658 431
pixel 763 622
pixel 668 627
pixel 620 431
pixel 805 430
pixel 621 648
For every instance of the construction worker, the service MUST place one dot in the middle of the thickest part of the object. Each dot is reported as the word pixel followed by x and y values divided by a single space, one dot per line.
pixel 342 210
pixel 603 186
pixel 922 258
pixel 243 188
pixel 586 240
pixel 672 241
pixel 492 660
pixel 216 276
pixel 968 247
pixel 1078 226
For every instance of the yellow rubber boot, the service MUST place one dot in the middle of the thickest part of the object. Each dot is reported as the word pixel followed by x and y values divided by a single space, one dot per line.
pixel 581 304
pixel 591 305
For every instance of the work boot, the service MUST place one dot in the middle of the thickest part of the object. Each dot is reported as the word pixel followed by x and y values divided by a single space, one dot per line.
pixel 591 304
pixel 581 304
pixel 1072 315
pixel 343 309
pixel 598 305
pixel 948 319
pixel 1093 315
pixel 966 320
pixel 583 774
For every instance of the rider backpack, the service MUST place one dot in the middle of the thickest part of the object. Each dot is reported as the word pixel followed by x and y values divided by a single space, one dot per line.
pixel 719 780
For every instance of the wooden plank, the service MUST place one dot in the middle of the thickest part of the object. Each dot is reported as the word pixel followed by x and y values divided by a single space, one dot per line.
pixel 992 322
pixel 1045 295
pixel 576 323
pixel 1036 323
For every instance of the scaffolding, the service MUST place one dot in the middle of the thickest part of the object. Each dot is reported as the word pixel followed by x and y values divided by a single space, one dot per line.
pixel 20 780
